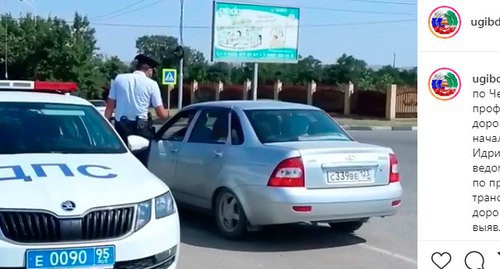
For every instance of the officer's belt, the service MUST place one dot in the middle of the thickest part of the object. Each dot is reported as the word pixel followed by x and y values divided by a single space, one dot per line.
pixel 139 123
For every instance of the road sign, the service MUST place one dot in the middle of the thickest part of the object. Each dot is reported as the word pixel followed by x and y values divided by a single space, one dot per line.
pixel 169 76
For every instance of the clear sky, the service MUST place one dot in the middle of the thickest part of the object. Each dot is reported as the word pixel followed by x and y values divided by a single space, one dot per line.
pixel 372 30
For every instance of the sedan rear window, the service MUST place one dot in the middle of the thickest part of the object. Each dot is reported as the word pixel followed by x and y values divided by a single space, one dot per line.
pixel 280 125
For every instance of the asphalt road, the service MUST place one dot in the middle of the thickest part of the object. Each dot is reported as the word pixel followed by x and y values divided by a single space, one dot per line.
pixel 381 243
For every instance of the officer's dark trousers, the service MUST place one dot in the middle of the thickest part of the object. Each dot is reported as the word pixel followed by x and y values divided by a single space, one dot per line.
pixel 130 128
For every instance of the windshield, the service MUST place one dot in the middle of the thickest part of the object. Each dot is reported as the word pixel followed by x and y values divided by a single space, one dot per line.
pixel 55 128
pixel 98 103
pixel 294 125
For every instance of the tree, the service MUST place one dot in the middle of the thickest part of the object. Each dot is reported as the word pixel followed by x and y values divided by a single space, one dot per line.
pixel 162 47
pixel 52 49
pixel 307 69
pixel 219 72
pixel 346 69
pixel 111 67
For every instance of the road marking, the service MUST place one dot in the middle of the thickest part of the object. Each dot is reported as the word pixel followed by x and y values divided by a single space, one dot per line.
pixel 390 253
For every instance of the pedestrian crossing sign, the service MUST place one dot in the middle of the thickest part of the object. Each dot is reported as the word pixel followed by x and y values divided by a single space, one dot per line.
pixel 169 76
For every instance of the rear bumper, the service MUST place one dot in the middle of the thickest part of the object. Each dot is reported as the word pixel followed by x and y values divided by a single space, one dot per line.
pixel 156 245
pixel 268 206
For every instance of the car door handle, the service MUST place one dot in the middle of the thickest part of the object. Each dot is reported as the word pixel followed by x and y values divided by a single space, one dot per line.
pixel 174 150
pixel 217 154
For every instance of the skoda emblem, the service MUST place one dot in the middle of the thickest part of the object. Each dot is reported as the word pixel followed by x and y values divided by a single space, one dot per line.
pixel 349 157
pixel 68 205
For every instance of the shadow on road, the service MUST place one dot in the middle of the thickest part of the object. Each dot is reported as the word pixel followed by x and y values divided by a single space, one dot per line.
pixel 200 231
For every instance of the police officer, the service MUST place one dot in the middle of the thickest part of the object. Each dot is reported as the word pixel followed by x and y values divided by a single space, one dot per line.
pixel 130 96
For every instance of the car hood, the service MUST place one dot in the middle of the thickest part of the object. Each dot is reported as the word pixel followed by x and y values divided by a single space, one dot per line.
pixel 45 181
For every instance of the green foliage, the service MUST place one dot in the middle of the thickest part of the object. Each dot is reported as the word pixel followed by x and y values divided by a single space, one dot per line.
pixel 346 69
pixel 52 49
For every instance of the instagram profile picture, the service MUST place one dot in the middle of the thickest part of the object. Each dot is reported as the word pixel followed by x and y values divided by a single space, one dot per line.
pixel 444 84
pixel 444 22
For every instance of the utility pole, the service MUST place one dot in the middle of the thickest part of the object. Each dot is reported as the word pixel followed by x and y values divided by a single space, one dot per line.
pixel 255 80
pixel 181 61
pixel 6 54
pixel 33 6
pixel 394 60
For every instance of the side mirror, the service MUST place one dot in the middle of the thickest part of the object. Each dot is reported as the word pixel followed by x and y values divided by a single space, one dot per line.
pixel 137 143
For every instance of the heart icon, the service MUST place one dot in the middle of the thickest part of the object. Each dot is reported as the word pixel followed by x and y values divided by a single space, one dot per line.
pixel 441 260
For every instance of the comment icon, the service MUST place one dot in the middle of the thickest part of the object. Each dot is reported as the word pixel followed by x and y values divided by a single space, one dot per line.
pixel 474 260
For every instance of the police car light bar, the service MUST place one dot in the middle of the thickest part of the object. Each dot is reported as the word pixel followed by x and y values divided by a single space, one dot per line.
pixel 40 86
pixel 55 86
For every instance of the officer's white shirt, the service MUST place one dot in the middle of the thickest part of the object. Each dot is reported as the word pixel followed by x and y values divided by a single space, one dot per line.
pixel 134 93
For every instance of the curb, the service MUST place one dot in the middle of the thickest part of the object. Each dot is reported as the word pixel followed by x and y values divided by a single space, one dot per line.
pixel 379 128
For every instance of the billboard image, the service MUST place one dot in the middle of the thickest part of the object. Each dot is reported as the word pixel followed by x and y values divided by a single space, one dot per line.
pixel 254 33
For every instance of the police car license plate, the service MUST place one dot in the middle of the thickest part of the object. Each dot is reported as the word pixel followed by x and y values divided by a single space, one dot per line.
pixel 91 257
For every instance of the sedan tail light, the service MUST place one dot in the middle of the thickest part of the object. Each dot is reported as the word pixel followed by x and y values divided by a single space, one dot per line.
pixel 288 173
pixel 393 169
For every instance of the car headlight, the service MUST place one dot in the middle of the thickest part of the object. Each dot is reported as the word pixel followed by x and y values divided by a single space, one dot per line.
pixel 164 205
pixel 143 214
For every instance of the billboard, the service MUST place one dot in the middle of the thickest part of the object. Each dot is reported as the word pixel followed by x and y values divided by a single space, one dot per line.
pixel 248 33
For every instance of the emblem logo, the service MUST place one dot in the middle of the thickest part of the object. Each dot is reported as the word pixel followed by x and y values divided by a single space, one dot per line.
pixel 444 84
pixel 444 22
pixel 68 205
pixel 349 157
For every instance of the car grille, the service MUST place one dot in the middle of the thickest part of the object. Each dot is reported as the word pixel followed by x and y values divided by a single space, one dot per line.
pixel 105 224
pixel 40 227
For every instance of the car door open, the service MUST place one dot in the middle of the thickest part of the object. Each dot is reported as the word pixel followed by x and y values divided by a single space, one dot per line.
pixel 202 156
pixel 166 145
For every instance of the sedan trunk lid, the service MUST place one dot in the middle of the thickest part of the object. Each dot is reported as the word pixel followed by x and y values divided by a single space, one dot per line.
pixel 338 164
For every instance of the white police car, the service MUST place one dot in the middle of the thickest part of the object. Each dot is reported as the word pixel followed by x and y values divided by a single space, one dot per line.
pixel 71 194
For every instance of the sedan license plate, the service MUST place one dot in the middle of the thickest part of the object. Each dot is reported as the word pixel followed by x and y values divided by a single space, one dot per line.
pixel 350 176
pixel 91 257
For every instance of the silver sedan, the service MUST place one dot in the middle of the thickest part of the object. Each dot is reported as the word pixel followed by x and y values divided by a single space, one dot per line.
pixel 259 163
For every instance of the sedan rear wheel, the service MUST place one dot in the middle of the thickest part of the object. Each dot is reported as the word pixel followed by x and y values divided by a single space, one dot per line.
pixel 347 227
pixel 229 216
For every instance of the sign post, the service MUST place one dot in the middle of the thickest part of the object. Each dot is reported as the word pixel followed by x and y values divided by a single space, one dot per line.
pixel 181 60
pixel 250 33
pixel 169 78
pixel 255 80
